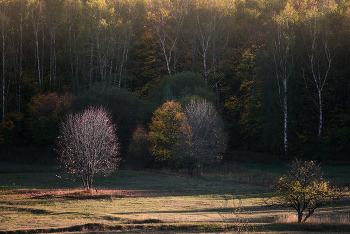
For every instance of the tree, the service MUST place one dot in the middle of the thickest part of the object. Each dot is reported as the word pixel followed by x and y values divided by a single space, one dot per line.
pixel 45 111
pixel 167 18
pixel 203 141
pixel 282 58
pixel 88 144
pixel 319 54
pixel 53 14
pixel 4 31
pixel 126 109
pixel 304 189
pixel 73 10
pixel 138 154
pixel 165 128
pixel 179 86
pixel 102 36
pixel 35 10
pixel 210 31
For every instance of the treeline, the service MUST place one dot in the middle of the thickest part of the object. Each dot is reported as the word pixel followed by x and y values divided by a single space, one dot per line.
pixel 278 71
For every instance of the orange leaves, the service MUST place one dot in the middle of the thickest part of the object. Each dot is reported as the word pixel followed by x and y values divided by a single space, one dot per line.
pixel 165 128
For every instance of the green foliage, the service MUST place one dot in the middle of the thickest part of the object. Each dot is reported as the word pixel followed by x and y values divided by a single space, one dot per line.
pixel 180 85
pixel 242 109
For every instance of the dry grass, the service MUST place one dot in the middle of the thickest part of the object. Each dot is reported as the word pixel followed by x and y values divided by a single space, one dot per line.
pixel 325 218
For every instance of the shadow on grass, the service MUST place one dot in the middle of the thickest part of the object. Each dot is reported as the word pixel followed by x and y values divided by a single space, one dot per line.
pixel 189 227
pixel 312 227
pixel 215 210
pixel 80 195
pixel 40 211
pixel 28 210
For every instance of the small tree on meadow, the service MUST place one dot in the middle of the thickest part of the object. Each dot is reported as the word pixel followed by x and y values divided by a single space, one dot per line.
pixel 203 140
pixel 88 144
pixel 304 189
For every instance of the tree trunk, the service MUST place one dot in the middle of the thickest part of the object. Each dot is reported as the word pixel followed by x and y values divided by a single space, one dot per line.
pixel 20 62
pixel 285 118
pixel 300 217
pixel 199 169
pixel 308 215
pixel 91 61
pixel 88 182
pixel 320 122
pixel 3 73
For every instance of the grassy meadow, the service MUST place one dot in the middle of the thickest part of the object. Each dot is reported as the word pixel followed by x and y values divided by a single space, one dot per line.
pixel 230 198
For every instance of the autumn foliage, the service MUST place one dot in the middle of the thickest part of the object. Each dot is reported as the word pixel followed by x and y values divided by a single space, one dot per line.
pixel 165 129
pixel 304 189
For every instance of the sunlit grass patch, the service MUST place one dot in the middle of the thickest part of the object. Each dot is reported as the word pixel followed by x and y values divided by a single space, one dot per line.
pixel 326 218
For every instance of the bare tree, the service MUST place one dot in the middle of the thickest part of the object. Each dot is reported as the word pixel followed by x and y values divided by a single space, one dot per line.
pixel 203 141
pixel 88 144
pixel 304 189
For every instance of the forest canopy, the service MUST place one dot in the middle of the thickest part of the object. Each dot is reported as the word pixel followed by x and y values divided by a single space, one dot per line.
pixel 277 71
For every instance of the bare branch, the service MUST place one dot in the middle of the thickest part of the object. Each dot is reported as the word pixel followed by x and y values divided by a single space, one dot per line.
pixel 88 144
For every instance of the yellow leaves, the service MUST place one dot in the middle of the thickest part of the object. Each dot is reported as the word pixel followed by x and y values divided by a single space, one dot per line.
pixel 97 4
pixel 103 23
pixel 165 128
pixel 287 17
pixel 304 189
pixel 298 11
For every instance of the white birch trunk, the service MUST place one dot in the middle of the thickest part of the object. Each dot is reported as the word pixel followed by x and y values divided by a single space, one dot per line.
pixel 166 40
pixel 282 68
pixel 320 121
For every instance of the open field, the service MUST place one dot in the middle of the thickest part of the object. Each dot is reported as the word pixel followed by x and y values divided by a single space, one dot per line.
pixel 160 202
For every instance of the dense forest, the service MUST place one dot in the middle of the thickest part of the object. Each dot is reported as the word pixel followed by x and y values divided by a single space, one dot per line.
pixel 278 71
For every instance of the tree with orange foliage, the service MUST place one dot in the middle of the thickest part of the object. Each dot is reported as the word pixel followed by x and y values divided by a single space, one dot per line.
pixel 167 123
